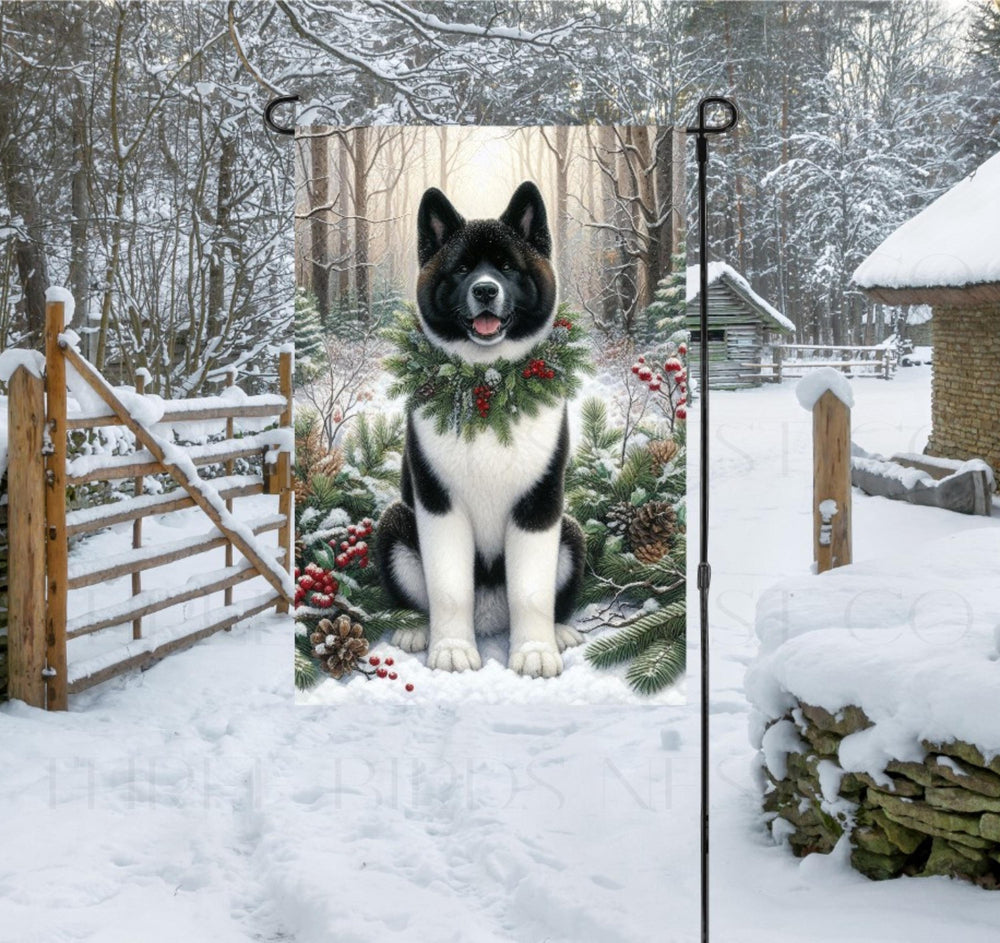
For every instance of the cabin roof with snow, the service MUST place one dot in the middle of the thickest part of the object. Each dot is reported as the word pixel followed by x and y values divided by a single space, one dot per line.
pixel 946 254
pixel 719 273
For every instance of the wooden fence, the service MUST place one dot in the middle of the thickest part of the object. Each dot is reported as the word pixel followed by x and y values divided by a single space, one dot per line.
pixel 794 360
pixel 40 528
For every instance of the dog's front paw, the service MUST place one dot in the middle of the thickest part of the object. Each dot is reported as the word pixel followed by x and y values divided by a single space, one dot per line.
pixel 536 660
pixel 567 637
pixel 454 654
pixel 410 640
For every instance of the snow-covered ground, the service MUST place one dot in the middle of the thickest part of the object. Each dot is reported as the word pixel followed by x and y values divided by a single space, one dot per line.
pixel 197 801
pixel 761 465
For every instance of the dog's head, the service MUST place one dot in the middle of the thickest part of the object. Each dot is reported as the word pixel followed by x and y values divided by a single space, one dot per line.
pixel 486 288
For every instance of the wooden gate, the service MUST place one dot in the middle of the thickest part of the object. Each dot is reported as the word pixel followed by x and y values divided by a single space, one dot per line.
pixel 41 575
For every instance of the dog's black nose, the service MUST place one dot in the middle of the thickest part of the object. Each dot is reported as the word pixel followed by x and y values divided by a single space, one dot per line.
pixel 485 292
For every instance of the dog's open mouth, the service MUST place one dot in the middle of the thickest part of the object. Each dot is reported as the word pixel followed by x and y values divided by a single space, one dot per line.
pixel 487 325
pixel 487 328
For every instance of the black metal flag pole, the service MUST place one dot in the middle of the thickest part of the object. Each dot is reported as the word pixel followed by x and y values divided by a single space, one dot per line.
pixel 715 116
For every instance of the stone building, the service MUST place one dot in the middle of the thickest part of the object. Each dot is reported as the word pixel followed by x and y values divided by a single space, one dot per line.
pixel 948 257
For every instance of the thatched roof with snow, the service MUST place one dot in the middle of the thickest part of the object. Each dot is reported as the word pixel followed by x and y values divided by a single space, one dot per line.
pixel 949 253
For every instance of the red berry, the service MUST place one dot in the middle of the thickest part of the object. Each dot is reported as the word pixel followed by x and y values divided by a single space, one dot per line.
pixel 682 349
pixel 393 676
pixel 635 368
pixel 642 360
pixel 526 373
pixel 654 386
pixel 352 539
pixel 363 563
pixel 409 687
pixel 381 672
pixel 374 660
pixel 344 545
pixel 390 661
pixel 681 412
pixel 307 582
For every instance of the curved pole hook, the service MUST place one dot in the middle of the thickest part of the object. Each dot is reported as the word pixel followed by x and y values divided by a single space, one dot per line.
pixel 732 116
pixel 269 114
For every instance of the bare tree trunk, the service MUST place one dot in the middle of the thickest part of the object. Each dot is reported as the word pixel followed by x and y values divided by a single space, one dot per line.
pixel 220 239
pixel 29 252
pixel 79 262
pixel 320 195
pixel 362 274
pixel 343 225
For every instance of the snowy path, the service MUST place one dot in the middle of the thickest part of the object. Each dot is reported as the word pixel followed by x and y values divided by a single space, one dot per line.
pixel 197 802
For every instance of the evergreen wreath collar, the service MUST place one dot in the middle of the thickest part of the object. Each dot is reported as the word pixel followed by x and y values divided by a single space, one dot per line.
pixel 470 398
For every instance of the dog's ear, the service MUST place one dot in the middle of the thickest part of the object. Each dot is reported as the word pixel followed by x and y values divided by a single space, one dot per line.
pixel 525 214
pixel 437 222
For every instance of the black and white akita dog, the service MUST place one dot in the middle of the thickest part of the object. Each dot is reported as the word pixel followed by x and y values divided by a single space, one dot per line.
pixel 479 541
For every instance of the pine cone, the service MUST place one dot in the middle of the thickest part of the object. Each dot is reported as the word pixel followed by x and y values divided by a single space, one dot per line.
pixel 662 451
pixel 620 518
pixel 652 531
pixel 338 645
pixel 324 463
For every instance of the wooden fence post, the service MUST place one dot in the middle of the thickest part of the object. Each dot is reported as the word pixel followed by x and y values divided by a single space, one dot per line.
pixel 831 482
pixel 287 496
pixel 227 598
pixel 776 372
pixel 55 510
pixel 138 488
pixel 26 530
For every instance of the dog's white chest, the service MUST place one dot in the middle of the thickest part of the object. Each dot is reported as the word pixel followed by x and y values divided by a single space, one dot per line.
pixel 485 478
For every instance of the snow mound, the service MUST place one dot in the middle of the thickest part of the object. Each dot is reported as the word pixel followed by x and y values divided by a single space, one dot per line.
pixel 813 385
pixel 55 294
pixel 13 357
pixel 952 242
pixel 910 639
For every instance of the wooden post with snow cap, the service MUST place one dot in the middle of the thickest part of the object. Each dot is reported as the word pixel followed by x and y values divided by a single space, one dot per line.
pixel 26 529
pixel 827 394
pixel 56 544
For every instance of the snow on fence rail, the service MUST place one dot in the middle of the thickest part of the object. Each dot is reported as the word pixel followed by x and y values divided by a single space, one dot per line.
pixel 795 360
pixel 41 575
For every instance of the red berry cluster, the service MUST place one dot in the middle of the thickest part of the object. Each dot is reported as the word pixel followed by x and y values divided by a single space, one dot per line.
pixel 676 382
pixel 537 368
pixel 382 669
pixel 654 380
pixel 354 547
pixel 483 394
pixel 315 586
pixel 563 322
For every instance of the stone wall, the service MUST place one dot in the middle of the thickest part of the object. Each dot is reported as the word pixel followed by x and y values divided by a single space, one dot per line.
pixel 966 394
pixel 937 817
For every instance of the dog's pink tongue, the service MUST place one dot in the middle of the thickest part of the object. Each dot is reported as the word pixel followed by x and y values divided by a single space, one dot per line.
pixel 486 324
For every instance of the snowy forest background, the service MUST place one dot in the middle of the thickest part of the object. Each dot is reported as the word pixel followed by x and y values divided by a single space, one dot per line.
pixel 136 169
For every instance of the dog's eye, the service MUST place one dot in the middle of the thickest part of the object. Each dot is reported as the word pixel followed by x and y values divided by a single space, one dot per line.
pixel 462 270
pixel 505 266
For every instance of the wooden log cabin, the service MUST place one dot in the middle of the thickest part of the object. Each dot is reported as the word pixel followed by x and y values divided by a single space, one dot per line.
pixel 742 326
